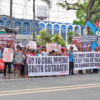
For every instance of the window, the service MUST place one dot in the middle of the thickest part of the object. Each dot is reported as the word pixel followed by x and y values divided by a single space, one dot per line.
pixel 41 26
pixel 18 25
pixel 76 31
pixel 36 28
pixel 1 23
pixel 63 32
pixel 26 28
pixel 8 24
pixel 70 28
pixel 49 29
pixel 56 29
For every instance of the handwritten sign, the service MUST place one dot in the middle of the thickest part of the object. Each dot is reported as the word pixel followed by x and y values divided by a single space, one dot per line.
pixel 8 55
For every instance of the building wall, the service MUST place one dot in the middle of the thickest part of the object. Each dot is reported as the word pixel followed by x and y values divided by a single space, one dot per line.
pixel 25 26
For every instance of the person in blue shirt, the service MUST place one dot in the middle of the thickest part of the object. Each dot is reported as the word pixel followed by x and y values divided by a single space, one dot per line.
pixel 71 64
pixel 39 53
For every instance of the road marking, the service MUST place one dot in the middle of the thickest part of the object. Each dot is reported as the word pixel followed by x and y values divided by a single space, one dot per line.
pixel 48 89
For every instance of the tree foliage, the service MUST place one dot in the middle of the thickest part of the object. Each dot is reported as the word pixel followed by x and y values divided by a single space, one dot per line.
pixel 58 39
pixel 45 38
pixel 88 10
pixel 69 37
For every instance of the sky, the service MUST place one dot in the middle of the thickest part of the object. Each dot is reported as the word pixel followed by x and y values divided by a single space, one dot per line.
pixel 23 9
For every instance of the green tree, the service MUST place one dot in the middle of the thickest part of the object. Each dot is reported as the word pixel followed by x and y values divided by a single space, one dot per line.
pixel 43 38
pixel 62 42
pixel 80 14
pixel 69 37
pixel 86 10
pixel 58 39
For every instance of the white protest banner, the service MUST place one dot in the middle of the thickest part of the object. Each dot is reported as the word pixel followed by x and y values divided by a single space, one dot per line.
pixel 32 45
pixel 48 66
pixel 24 37
pixel 8 55
pixel 22 43
pixel 87 39
pixel 86 60
pixel 53 46
pixel 7 39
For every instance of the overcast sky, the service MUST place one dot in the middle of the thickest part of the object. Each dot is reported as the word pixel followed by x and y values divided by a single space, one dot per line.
pixel 23 9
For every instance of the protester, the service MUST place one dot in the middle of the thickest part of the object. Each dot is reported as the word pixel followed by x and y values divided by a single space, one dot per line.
pixel 39 53
pixel 89 71
pixel 18 62
pixel 44 52
pixel 23 62
pixel 22 54
pixel 63 52
pixel 80 71
pixel 7 63
pixel 71 64
pixel 52 53
pixel 95 70
pixel 28 52
pixel 33 53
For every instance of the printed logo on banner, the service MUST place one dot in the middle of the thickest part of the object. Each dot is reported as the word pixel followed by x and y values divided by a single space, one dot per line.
pixel 47 66
pixel 86 60
pixel 8 55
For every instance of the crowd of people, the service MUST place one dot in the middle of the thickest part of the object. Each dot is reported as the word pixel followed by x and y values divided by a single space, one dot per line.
pixel 20 60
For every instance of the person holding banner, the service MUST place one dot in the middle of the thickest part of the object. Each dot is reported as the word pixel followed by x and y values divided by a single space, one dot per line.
pixel 23 63
pixel 44 51
pixel 95 70
pixel 52 53
pixel 71 64
pixel 81 71
pixel 28 54
pixel 67 51
pixel 89 71
pixel 63 52
pixel 8 59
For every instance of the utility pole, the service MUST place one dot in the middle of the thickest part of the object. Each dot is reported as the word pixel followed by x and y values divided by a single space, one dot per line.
pixel 33 20
pixel 11 8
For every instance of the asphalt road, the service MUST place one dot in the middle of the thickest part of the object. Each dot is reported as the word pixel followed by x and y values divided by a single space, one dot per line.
pixel 77 87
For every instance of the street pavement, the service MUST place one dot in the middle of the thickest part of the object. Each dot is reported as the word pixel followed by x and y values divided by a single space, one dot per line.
pixel 76 87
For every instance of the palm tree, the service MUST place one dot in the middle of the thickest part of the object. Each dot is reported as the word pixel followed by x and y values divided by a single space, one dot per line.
pixel 48 2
